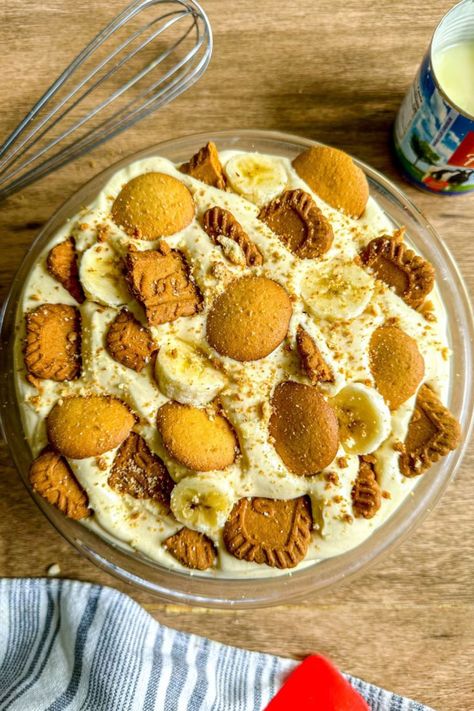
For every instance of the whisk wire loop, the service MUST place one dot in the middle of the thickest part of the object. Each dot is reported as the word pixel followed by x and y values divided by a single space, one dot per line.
pixel 184 28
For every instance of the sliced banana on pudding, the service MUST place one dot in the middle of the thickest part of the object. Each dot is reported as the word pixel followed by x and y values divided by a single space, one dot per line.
pixel 202 503
pixel 186 375
pixel 101 276
pixel 256 177
pixel 364 418
pixel 338 291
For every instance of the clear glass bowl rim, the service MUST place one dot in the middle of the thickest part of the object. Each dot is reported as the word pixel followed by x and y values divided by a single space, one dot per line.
pixel 182 587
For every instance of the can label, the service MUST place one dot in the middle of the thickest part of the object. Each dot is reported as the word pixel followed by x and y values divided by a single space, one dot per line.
pixel 433 142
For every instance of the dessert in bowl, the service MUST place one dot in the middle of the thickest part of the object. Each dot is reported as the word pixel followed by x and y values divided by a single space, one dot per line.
pixel 236 365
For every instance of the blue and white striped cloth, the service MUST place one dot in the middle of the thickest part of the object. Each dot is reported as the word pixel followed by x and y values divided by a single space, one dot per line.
pixel 81 647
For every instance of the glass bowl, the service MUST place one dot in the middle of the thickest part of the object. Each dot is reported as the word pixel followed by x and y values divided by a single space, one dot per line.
pixel 184 587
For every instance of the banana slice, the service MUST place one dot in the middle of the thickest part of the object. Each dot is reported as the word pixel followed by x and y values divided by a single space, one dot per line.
pixel 186 375
pixel 100 272
pixel 256 177
pixel 364 418
pixel 337 291
pixel 203 504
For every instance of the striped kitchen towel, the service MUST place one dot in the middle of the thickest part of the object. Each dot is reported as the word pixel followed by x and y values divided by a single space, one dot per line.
pixel 82 647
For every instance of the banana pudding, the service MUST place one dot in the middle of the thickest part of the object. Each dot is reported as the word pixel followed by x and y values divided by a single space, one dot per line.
pixel 236 365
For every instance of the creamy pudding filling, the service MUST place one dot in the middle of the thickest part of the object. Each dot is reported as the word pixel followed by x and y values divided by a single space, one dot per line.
pixel 202 387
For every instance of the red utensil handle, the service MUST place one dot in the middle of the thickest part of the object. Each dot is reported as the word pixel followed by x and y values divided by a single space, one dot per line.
pixel 317 685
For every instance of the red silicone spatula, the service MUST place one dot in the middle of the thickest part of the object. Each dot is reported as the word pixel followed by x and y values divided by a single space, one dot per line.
pixel 316 685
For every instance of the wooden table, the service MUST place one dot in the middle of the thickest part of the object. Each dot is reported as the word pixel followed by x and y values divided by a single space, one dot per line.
pixel 331 70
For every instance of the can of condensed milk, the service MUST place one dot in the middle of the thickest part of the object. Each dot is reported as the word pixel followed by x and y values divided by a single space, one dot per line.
pixel 434 128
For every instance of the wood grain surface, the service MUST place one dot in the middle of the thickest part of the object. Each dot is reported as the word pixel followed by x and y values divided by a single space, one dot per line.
pixel 333 70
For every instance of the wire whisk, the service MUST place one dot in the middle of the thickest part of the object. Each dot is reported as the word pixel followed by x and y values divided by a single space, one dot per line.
pixel 143 59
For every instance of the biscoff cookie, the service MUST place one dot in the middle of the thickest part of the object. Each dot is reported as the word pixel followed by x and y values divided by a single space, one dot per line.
pixel 303 428
pixel 192 549
pixel 160 280
pixel 276 532
pixel 200 441
pixel 410 276
pixel 366 493
pixel 299 223
pixel 140 473
pixel 128 342
pixel 312 361
pixel 249 319
pixel 221 225
pixel 51 477
pixel 206 166
pixel 61 263
pixel 52 347
pixel 153 205
pixel 432 433
pixel 87 426
pixel 396 364
pixel 333 175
